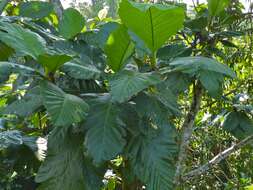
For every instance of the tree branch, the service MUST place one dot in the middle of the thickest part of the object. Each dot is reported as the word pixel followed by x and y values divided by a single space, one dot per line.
pixel 218 158
pixel 58 7
pixel 187 129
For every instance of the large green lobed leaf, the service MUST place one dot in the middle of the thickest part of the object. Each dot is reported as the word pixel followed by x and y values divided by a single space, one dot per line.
pixel 153 23
pixel 64 109
pixel 65 166
pixel 22 40
pixel 152 153
pixel 126 84
pixel 105 136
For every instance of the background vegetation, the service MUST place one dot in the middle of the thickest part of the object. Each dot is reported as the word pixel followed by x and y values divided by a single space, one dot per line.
pixel 88 100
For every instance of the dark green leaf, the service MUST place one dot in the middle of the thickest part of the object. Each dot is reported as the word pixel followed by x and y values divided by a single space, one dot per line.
pixel 5 52
pixel 81 70
pixel 22 40
pixel 35 9
pixel 27 105
pixel 64 109
pixel 65 166
pixel 152 154
pixel 126 84
pixel 238 124
pixel 105 135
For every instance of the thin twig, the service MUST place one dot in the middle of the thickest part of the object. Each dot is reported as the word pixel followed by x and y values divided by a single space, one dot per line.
pixel 187 130
pixel 218 158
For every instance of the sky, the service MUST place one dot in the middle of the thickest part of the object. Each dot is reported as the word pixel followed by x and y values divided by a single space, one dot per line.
pixel 66 3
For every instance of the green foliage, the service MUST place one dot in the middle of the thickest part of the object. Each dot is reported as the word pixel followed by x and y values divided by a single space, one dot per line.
pixel 113 97
pixel 35 9
pixel 22 40
pixel 217 6
pixel 71 24
pixel 105 135
pixel 126 84
pixel 64 109
pixel 154 24
pixel 238 124
pixel 151 153
pixel 118 48
pixel 73 171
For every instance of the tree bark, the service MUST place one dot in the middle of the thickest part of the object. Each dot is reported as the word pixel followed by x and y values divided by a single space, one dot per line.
pixel 187 129
pixel 218 158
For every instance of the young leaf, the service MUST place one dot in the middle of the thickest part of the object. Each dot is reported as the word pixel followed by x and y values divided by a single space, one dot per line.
pixel 151 154
pixel 105 136
pixel 52 62
pixel 65 166
pixel 217 6
pixel 153 23
pixel 71 24
pixel 118 48
pixel 22 40
pixel 63 108
pixel 35 9
pixel 126 84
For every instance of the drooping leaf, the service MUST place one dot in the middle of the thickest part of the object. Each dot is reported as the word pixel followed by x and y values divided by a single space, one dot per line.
pixel 217 6
pixel 65 166
pixel 105 136
pixel 27 105
pixel 22 40
pixel 210 72
pixel 64 109
pixel 81 70
pixel 152 153
pixel 52 62
pixel 126 84
pixel 238 124
pixel 118 48
pixel 71 24
pixel 153 23
pixel 212 82
pixel 35 9
pixel 192 65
